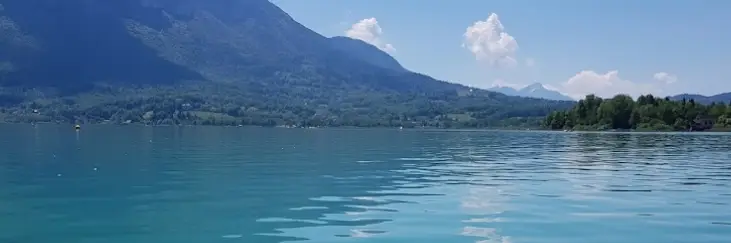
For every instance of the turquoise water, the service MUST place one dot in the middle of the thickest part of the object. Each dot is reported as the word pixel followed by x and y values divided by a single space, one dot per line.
pixel 215 184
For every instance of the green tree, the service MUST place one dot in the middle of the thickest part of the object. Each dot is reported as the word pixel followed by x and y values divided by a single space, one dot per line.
pixel 622 112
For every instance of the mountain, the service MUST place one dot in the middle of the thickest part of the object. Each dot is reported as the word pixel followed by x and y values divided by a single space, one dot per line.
pixel 160 41
pixel 238 61
pixel 366 52
pixel 505 90
pixel 535 90
pixel 701 99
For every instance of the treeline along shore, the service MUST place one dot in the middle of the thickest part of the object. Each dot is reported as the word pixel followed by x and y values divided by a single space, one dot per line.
pixel 647 113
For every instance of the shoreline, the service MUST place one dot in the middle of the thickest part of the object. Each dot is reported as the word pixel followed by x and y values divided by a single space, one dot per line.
pixel 71 125
pixel 507 129
pixel 715 130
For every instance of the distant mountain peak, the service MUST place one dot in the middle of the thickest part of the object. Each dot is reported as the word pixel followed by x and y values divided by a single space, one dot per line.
pixel 535 86
pixel 534 90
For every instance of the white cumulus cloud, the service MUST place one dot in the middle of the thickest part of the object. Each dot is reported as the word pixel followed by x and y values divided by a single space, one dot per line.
pixel 370 31
pixel 606 85
pixel 488 41
pixel 665 77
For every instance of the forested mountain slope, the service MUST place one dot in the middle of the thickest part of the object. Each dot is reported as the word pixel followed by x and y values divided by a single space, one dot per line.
pixel 215 62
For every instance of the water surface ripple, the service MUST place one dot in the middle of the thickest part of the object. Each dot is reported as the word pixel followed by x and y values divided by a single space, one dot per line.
pixel 216 184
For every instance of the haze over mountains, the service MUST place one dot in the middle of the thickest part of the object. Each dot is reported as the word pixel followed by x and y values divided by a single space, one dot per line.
pixel 170 61
pixel 535 90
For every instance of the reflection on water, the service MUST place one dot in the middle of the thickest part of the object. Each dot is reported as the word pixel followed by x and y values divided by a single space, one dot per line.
pixel 212 184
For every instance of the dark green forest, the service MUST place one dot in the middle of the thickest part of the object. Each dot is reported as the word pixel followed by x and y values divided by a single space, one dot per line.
pixel 646 113
pixel 203 103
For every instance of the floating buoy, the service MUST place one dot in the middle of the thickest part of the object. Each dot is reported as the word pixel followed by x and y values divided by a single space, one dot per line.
pixel 77 127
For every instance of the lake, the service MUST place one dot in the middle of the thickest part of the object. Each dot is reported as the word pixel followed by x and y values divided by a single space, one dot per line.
pixel 121 184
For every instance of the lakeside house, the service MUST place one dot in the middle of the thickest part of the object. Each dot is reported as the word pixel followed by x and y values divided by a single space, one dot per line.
pixel 702 123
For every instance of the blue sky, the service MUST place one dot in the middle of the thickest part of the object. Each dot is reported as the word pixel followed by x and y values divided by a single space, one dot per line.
pixel 662 47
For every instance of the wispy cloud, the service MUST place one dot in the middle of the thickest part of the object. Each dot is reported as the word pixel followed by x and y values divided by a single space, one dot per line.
pixel 665 77
pixel 609 84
